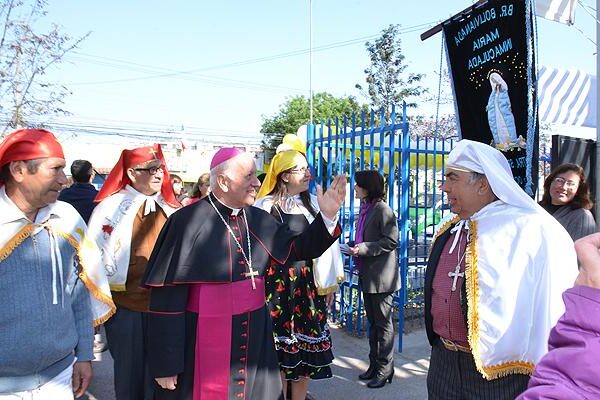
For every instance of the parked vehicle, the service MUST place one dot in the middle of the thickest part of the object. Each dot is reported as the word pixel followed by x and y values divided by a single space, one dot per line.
pixel 426 215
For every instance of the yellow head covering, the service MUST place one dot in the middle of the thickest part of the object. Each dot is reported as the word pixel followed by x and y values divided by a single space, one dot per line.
pixel 292 141
pixel 282 161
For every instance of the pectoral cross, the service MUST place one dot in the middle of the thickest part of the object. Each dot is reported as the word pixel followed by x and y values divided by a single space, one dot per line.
pixel 455 275
pixel 251 275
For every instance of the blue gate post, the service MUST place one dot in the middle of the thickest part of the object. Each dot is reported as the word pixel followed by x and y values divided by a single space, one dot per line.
pixel 392 159
pixel 381 140
pixel 404 183
pixel 320 164
pixel 343 134
pixel 310 151
pixel 362 140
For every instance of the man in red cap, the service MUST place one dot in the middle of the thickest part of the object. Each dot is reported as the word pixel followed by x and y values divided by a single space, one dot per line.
pixel 209 331
pixel 48 269
pixel 134 204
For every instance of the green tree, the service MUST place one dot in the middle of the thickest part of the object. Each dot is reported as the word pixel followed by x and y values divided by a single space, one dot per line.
pixel 26 55
pixel 295 112
pixel 386 77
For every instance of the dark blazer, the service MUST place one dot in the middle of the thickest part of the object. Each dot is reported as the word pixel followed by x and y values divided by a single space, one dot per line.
pixel 378 253
pixel 432 263
pixel 81 196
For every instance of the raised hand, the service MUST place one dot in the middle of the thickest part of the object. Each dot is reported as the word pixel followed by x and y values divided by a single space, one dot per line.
pixel 331 201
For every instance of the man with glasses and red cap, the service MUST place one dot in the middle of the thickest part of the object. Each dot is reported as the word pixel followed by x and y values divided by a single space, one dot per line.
pixel 134 204
pixel 48 269
pixel 210 334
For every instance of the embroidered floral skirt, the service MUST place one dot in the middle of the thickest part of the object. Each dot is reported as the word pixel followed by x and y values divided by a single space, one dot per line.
pixel 300 329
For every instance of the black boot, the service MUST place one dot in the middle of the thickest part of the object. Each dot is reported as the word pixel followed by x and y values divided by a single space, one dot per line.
pixel 380 379
pixel 368 374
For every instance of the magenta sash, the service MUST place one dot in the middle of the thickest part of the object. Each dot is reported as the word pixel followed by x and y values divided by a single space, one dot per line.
pixel 215 304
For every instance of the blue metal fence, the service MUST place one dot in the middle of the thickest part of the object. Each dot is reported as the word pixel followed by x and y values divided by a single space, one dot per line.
pixel 414 172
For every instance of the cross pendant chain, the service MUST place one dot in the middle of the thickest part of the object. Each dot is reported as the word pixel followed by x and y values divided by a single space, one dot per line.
pixel 251 272
pixel 455 275
pixel 251 275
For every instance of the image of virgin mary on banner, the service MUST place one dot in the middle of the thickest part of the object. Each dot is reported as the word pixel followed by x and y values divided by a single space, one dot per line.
pixel 491 56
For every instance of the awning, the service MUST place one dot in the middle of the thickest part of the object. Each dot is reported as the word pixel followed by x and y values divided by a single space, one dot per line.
pixel 567 97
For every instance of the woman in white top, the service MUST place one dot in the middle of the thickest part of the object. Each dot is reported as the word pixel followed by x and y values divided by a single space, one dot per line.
pixel 297 292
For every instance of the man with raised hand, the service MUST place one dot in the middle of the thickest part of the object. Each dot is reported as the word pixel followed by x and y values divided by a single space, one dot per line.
pixel 210 333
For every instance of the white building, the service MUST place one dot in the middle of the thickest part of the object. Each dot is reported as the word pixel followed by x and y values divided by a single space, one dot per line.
pixel 186 158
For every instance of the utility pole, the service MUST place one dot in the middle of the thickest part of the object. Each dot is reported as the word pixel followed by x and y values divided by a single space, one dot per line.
pixel 310 63
pixel 597 183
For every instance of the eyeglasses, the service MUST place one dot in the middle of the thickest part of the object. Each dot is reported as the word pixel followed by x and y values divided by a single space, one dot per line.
pixel 302 171
pixel 558 181
pixel 151 170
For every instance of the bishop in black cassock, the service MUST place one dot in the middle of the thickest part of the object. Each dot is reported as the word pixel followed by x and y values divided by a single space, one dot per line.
pixel 209 325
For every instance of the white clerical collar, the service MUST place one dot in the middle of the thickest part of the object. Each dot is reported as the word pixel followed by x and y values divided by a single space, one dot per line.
pixel 234 211
pixel 150 205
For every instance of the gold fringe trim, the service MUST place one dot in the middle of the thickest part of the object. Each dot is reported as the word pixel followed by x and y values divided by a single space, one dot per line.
pixel 26 231
pixel 489 372
pixel 118 287
pixel 472 286
pixel 15 241
pixel 508 368
pixel 89 284
pixel 327 290
pixel 104 318
pixel 444 228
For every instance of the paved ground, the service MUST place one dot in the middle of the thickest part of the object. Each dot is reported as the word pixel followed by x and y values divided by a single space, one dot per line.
pixel 350 355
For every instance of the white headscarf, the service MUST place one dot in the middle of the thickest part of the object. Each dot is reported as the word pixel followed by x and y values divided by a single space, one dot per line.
pixel 478 157
pixel 518 262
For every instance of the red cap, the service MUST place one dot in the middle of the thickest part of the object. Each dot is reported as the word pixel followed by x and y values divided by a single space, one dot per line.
pixel 118 179
pixel 29 144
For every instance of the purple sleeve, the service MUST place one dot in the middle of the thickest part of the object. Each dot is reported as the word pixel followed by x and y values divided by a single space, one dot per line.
pixel 570 369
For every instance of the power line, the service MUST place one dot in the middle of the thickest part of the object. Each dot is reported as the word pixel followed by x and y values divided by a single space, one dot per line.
pixel 155 126
pixel 238 63
pixel 177 75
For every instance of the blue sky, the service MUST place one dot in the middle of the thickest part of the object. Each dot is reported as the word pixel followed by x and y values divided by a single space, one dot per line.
pixel 218 66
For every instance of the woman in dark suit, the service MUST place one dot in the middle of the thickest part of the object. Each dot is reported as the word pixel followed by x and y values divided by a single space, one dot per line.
pixel 375 251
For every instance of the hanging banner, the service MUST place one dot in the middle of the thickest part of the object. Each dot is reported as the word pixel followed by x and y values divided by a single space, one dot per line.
pixel 491 58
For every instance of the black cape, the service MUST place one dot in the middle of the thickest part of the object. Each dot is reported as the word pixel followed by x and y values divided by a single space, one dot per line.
pixel 195 247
